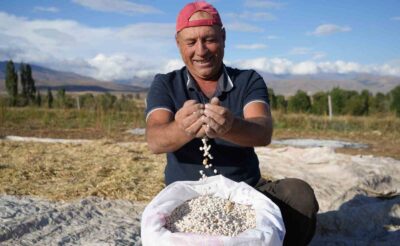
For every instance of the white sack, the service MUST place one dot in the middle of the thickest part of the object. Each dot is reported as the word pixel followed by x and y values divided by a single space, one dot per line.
pixel 269 229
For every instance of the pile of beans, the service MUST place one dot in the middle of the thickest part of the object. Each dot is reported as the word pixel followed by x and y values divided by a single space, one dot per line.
pixel 212 216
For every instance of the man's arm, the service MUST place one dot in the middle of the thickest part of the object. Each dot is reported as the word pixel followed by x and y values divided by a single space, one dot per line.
pixel 255 129
pixel 166 133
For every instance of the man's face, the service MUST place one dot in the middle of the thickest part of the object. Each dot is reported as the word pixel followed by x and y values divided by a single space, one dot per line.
pixel 202 50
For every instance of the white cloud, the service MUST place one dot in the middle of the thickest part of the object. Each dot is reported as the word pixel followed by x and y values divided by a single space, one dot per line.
pixel 118 6
pixel 284 66
pixel 173 64
pixel 242 27
pixel 396 18
pixel 70 46
pixel 46 9
pixel 251 46
pixel 328 29
pixel 252 16
pixel 262 4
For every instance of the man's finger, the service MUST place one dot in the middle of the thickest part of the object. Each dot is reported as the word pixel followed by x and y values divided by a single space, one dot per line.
pixel 191 118
pixel 189 102
pixel 195 127
pixel 210 132
pixel 214 101
pixel 212 124
pixel 191 108
pixel 218 118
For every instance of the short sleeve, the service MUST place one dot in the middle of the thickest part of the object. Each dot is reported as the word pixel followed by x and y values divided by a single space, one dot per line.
pixel 256 90
pixel 158 96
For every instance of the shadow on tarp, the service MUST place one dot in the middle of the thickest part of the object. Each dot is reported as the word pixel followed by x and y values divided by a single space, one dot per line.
pixel 362 220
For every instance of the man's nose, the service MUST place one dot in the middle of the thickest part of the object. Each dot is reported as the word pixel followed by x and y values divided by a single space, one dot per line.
pixel 201 48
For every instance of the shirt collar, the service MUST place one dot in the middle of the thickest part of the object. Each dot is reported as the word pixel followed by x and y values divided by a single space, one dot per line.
pixel 225 83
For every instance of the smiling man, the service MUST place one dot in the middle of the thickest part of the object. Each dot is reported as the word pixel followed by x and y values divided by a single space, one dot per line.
pixel 228 106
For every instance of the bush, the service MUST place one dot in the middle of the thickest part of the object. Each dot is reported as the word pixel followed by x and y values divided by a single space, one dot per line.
pixel 299 103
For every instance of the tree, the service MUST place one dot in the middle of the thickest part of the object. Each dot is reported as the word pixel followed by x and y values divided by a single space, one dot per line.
pixel 38 99
pixel 281 103
pixel 49 98
pixel 395 100
pixel 354 106
pixel 61 100
pixel 28 88
pixel 11 82
pixel 87 100
pixel 340 99
pixel 272 99
pixel 299 103
pixel 106 101
pixel 320 103
pixel 30 85
pixel 379 103
pixel 23 78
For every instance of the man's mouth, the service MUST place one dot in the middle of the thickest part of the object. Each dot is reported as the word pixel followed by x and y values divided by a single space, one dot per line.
pixel 203 61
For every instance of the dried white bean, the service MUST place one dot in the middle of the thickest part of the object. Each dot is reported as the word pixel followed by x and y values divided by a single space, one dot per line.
pixel 210 215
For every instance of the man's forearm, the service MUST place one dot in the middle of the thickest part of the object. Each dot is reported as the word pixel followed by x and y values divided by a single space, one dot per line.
pixel 250 132
pixel 166 138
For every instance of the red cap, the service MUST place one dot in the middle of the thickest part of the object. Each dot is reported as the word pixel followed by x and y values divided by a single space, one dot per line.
pixel 191 8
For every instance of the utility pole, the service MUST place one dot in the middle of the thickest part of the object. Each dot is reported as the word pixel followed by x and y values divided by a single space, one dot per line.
pixel 330 106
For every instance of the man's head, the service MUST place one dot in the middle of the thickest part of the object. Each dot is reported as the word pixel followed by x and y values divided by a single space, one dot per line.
pixel 201 40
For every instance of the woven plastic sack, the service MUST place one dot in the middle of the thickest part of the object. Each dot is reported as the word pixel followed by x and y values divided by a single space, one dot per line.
pixel 269 229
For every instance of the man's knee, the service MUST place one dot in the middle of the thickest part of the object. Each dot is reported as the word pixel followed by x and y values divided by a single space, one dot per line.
pixel 298 194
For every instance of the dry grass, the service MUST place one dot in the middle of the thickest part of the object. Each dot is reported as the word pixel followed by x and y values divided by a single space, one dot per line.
pixel 68 171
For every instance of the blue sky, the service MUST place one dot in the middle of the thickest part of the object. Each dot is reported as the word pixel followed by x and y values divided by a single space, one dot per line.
pixel 121 39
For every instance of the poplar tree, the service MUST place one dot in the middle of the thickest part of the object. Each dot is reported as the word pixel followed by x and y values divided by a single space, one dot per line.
pixel 30 85
pixel 23 78
pixel 38 99
pixel 395 100
pixel 11 82
pixel 49 98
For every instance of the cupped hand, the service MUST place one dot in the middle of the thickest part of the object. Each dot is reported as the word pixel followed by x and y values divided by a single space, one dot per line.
pixel 190 118
pixel 218 120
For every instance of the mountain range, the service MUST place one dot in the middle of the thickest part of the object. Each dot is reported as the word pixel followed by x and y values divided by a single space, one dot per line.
pixel 72 82
pixel 281 84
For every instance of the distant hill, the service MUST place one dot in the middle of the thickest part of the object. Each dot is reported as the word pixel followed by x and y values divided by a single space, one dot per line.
pixel 281 84
pixel 72 82
pixel 289 84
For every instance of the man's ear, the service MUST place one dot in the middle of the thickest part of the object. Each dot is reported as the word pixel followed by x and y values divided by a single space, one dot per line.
pixel 177 39
pixel 223 32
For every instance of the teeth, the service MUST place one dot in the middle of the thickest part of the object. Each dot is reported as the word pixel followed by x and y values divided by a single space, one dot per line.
pixel 203 61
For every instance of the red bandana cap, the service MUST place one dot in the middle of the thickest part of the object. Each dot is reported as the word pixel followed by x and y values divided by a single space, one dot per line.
pixel 191 8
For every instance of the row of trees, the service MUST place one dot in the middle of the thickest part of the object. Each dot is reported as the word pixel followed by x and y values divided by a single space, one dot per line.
pixel 28 89
pixel 22 91
pixel 343 102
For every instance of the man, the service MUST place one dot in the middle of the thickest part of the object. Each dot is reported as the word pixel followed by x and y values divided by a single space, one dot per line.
pixel 228 106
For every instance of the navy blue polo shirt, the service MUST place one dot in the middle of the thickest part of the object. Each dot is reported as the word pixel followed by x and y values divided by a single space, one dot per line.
pixel 236 89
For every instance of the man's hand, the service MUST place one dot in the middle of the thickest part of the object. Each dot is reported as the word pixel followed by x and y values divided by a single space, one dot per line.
pixel 189 118
pixel 218 119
